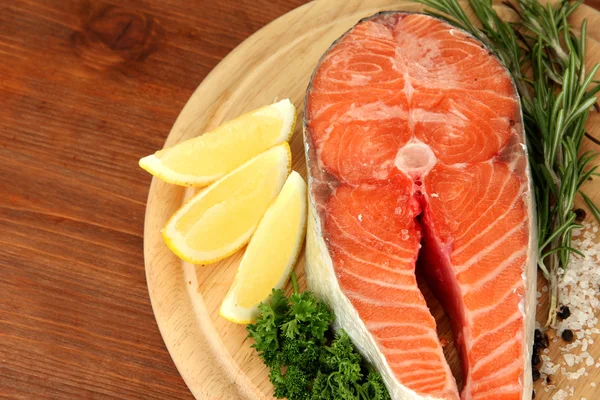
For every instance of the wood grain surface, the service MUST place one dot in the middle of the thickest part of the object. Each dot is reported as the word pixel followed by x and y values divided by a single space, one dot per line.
pixel 86 89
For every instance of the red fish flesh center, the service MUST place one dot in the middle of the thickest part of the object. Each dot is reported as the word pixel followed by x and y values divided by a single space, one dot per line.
pixel 415 150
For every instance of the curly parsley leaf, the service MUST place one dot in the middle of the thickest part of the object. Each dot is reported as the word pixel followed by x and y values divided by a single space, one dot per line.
pixel 291 338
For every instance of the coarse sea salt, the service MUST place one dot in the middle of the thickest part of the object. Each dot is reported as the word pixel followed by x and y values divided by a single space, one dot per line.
pixel 560 395
pixel 589 361
pixel 570 359
pixel 578 289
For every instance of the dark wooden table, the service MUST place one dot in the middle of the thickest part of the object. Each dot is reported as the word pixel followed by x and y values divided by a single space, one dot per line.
pixel 86 89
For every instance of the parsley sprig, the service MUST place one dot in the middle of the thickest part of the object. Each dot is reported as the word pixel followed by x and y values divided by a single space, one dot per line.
pixel 291 336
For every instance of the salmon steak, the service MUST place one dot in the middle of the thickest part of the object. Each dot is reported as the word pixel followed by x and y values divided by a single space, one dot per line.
pixel 416 157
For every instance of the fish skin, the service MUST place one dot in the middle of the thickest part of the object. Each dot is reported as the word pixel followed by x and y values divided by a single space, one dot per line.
pixel 329 248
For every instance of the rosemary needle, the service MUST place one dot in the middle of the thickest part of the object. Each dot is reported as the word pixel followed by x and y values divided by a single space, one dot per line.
pixel 592 207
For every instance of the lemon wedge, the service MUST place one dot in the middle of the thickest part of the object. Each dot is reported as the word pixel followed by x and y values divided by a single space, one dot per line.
pixel 271 254
pixel 206 158
pixel 221 218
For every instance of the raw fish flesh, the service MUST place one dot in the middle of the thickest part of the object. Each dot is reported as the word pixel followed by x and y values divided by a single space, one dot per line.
pixel 416 152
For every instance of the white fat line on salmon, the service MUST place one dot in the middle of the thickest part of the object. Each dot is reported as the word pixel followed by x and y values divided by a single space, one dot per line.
pixel 383 55
pixel 416 351
pixel 485 128
pixel 480 200
pixel 385 44
pixel 467 59
pixel 376 111
pixel 512 290
pixel 424 365
pixel 424 116
pixel 503 347
pixel 317 113
pixel 402 338
pixel 515 365
pixel 355 239
pixel 486 91
pixel 513 318
pixel 420 25
pixel 408 88
pixel 392 304
pixel 512 388
pixel 344 92
pixel 476 315
pixel 408 288
pixel 455 111
pixel 397 63
pixel 477 257
pixel 470 62
pixel 479 102
pixel 425 339
pixel 419 380
pixel 379 111
pixel 357 223
pixel 323 139
pixel 377 68
pixel 355 79
pixel 432 386
pixel 468 91
pixel 399 271
pixel 493 274
pixel 462 43
pixel 375 326
pixel 507 212
pixel 417 372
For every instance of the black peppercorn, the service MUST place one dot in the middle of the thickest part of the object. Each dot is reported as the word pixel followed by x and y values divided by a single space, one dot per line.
pixel 537 336
pixel 564 312
pixel 567 335
pixel 580 214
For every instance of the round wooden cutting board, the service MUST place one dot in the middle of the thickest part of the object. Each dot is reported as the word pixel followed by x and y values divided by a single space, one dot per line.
pixel 213 355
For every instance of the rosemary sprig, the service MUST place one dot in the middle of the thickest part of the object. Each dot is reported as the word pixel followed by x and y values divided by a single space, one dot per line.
pixel 556 96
